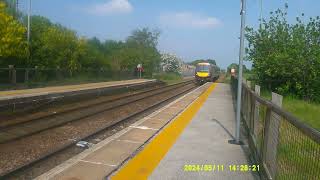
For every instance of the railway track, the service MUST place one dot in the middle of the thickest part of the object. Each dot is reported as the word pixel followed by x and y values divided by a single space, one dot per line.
pixel 30 126
pixel 50 134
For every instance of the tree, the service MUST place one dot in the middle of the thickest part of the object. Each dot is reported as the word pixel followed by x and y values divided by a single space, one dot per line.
pixel 142 48
pixel 53 45
pixel 286 57
pixel 11 8
pixel 236 67
pixel 144 37
pixel 211 61
pixel 13 46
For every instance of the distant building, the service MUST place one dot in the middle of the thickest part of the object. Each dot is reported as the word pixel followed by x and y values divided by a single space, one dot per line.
pixel 187 70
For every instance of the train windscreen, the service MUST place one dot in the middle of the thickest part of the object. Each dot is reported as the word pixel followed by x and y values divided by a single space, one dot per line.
pixel 202 68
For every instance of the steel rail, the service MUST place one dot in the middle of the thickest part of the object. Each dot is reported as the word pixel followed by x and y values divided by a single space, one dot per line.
pixel 48 115
pixel 93 112
pixel 97 131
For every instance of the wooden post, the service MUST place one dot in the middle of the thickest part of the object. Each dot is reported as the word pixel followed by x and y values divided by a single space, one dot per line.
pixel 248 108
pixel 256 122
pixel 57 70
pixel 26 75
pixel 36 74
pixel 272 137
pixel 12 75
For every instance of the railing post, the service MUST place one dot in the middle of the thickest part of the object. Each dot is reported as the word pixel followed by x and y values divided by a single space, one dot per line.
pixel 26 75
pixel 58 73
pixel 12 75
pixel 256 112
pixel 36 74
pixel 271 135
pixel 248 104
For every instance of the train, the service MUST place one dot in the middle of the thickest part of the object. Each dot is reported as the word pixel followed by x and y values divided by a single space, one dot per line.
pixel 206 72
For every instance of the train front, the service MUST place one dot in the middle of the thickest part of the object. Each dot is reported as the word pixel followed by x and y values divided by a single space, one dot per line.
pixel 202 73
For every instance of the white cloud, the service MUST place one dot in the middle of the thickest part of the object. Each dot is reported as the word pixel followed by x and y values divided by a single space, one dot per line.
pixel 111 7
pixel 188 19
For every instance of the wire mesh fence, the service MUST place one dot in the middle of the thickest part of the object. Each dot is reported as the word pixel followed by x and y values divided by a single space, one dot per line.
pixel 285 147
pixel 11 77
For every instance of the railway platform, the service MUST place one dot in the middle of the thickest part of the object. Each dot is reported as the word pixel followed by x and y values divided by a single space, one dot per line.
pixel 20 99
pixel 12 94
pixel 186 139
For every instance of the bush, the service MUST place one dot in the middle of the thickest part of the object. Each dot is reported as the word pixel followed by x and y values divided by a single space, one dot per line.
pixel 168 76
pixel 286 57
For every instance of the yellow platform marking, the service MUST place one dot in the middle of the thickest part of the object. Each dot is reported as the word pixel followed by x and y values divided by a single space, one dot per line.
pixel 143 164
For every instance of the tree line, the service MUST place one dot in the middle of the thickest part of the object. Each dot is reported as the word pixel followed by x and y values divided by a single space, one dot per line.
pixel 55 46
pixel 195 62
pixel 286 56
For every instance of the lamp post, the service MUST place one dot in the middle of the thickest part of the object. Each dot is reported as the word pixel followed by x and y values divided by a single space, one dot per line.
pixel 260 13
pixel 241 54
pixel 29 14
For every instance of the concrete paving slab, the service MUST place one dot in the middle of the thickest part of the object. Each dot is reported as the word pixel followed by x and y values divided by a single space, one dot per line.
pixel 113 153
pixel 179 106
pixel 165 116
pixel 138 135
pixel 205 142
pixel 116 149
pixel 76 172
pixel 154 123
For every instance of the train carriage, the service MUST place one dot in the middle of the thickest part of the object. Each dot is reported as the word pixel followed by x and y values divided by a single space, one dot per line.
pixel 206 72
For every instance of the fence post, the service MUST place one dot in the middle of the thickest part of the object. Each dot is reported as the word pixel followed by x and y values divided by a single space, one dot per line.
pixel 36 74
pixel 256 113
pixel 248 104
pixel 58 73
pixel 12 74
pixel 272 137
pixel 26 75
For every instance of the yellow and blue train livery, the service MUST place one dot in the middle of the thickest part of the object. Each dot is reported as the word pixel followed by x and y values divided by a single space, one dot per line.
pixel 206 72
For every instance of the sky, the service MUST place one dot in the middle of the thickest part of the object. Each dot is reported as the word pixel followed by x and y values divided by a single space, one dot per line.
pixel 191 29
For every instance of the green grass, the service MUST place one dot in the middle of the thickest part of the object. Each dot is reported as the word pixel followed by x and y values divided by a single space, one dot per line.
pixel 296 153
pixel 296 156
pixel 307 112
pixel 169 78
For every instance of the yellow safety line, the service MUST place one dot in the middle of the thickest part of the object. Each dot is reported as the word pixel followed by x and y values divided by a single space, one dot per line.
pixel 143 164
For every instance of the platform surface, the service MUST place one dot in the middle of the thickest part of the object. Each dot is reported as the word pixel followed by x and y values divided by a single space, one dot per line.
pixel 67 88
pixel 107 156
pixel 205 142
pixel 193 130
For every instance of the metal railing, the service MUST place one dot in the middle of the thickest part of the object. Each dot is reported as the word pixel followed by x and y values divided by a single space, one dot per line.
pixel 12 76
pixel 284 147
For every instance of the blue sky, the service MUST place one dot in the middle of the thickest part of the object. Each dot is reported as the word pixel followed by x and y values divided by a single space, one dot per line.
pixel 191 29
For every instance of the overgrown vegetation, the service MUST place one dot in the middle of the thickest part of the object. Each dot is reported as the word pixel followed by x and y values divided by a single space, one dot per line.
pixel 169 78
pixel 211 61
pixel 286 57
pixel 171 63
pixel 235 66
pixel 55 46
pixel 305 111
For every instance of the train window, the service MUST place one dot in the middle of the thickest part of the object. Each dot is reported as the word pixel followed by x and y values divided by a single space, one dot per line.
pixel 202 68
